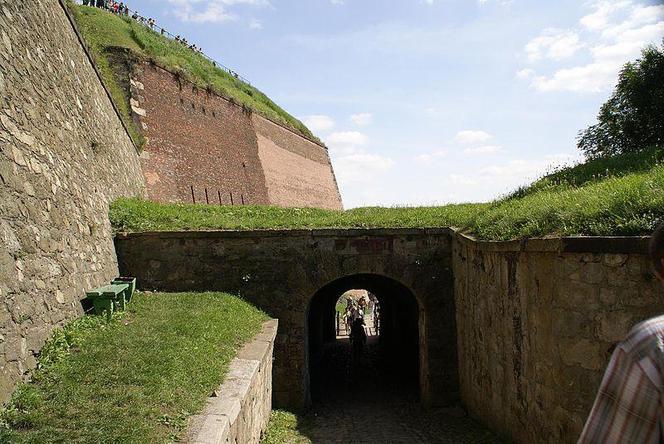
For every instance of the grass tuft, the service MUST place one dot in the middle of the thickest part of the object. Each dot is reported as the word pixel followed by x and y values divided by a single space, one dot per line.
pixel 284 427
pixel 134 379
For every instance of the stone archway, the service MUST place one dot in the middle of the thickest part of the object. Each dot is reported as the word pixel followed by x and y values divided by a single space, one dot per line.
pixel 282 271
pixel 399 351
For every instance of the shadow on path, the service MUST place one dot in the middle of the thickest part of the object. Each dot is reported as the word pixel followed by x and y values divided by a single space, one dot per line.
pixel 375 401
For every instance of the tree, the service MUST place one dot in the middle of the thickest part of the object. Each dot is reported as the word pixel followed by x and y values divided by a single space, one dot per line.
pixel 633 118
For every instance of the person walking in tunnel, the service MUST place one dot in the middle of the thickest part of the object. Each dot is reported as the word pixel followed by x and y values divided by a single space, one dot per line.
pixel 628 407
pixel 358 337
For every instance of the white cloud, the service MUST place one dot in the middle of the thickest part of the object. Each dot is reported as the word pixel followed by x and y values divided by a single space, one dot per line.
pixel 525 73
pixel 599 18
pixel 472 137
pixel 255 24
pixel 428 159
pixel 615 33
pixel 337 2
pixel 212 11
pixel 555 44
pixel 343 140
pixel 362 119
pixel 484 149
pixel 318 122
pixel 460 179
pixel 352 163
pixel 361 167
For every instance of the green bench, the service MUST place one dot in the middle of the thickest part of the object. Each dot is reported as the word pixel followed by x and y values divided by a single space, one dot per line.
pixel 131 281
pixel 113 297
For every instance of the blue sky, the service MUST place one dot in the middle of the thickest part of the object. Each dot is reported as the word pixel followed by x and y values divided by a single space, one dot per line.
pixel 427 101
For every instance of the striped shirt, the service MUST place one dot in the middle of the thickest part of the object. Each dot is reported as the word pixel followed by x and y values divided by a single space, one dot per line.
pixel 628 407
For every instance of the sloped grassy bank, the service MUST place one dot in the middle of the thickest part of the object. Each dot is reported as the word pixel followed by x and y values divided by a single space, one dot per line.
pixel 104 32
pixel 583 200
pixel 133 379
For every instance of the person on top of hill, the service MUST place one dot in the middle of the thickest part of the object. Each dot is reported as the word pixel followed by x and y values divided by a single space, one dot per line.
pixel 628 407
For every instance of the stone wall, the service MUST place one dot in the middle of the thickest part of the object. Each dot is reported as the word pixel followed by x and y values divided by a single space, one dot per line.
pixel 202 147
pixel 64 155
pixel 536 323
pixel 281 271
pixel 240 409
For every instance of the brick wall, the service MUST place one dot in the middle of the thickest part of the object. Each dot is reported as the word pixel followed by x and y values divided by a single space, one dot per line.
pixel 64 155
pixel 199 141
pixel 298 172
pixel 195 141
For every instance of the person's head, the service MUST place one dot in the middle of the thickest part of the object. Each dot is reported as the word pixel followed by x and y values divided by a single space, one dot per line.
pixel 656 251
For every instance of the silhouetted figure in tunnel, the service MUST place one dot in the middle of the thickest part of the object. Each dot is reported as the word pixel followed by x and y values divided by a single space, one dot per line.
pixel 358 337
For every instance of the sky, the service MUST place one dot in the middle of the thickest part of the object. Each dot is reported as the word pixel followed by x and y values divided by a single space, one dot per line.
pixel 427 102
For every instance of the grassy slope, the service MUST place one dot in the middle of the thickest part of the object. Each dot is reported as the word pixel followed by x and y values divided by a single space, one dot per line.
pixel 93 23
pixel 620 196
pixel 135 379
pixel 103 30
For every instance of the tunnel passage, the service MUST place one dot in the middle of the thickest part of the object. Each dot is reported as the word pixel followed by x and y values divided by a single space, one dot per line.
pixel 389 367
pixel 288 273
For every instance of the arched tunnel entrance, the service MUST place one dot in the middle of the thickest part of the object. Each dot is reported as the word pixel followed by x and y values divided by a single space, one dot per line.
pixel 388 366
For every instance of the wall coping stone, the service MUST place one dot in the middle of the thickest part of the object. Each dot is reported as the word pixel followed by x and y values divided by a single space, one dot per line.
pixel 318 232
pixel 214 424
pixel 569 244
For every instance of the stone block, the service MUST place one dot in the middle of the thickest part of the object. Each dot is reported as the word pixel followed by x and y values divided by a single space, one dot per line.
pixel 614 326
pixel 585 353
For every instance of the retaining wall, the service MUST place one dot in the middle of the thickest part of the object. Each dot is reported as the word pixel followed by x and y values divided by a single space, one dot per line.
pixel 537 322
pixel 64 155
pixel 240 410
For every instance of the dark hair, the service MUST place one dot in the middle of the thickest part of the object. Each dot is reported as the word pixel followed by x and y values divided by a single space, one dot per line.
pixel 656 248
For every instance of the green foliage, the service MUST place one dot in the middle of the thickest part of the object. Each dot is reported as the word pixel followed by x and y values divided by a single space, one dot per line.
pixel 103 31
pixel 633 117
pixel 134 379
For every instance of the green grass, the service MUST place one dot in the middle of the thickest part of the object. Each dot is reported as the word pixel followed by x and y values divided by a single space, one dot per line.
pixel 136 378
pixel 594 171
pixel 285 428
pixel 141 215
pixel 98 28
pixel 103 30
pixel 627 204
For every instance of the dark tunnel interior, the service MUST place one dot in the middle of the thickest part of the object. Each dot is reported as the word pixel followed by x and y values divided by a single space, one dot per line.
pixel 388 365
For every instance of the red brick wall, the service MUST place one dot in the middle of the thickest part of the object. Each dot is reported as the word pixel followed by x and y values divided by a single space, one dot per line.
pixel 298 172
pixel 198 140
pixel 195 139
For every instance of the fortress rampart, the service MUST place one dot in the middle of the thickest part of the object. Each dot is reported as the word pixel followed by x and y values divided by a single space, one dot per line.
pixel 203 148
pixel 64 155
